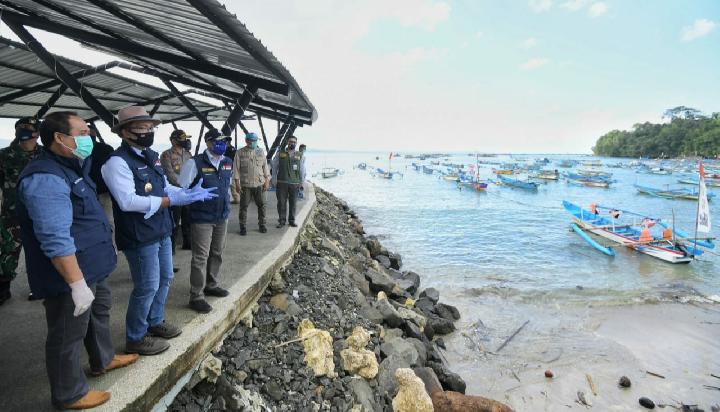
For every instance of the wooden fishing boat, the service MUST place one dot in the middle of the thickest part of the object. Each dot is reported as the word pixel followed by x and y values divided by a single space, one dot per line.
pixel 428 170
pixel 503 171
pixel 638 236
pixel 589 182
pixel 567 163
pixel 329 172
pixel 451 177
pixel 668 193
pixel 516 183
pixel 547 175
pixel 696 182
pixel 361 166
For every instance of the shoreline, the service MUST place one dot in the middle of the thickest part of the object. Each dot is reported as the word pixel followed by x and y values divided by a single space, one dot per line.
pixel 341 281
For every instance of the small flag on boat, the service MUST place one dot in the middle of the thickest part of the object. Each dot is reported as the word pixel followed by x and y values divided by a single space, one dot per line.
pixel 703 216
pixel 390 157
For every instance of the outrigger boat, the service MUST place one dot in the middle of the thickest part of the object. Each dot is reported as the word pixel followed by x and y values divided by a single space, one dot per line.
pixel 670 245
pixel 588 181
pixel 696 182
pixel 547 175
pixel 679 193
pixel 520 184
pixel 329 172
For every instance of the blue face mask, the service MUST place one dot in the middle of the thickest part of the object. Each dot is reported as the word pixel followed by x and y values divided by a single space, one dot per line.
pixel 84 147
pixel 253 145
pixel 219 147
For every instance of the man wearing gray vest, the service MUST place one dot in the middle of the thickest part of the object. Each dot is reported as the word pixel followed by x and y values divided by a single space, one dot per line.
pixel 288 174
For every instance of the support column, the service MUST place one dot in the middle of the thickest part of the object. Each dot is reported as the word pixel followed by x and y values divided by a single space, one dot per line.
pixel 262 130
pixel 289 123
pixel 188 104
pixel 200 138
pixel 51 101
pixel 238 110
pixel 242 126
pixel 61 72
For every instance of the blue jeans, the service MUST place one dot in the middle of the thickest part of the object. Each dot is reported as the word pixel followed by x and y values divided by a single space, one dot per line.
pixel 152 271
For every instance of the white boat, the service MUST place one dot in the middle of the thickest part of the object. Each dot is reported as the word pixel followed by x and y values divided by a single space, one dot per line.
pixel 329 172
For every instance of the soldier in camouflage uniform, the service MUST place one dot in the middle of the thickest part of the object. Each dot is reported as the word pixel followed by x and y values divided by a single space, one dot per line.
pixel 13 160
pixel 172 161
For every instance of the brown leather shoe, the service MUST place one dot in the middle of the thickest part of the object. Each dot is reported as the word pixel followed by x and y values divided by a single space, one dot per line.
pixel 118 361
pixel 90 400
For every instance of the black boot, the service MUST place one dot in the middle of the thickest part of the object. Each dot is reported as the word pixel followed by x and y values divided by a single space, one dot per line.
pixel 243 230
pixel 4 292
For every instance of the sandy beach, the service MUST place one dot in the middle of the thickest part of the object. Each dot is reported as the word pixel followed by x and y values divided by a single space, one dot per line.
pixel 678 341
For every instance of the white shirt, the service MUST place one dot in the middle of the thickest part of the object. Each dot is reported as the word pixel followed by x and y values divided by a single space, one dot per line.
pixel 120 181
pixel 188 173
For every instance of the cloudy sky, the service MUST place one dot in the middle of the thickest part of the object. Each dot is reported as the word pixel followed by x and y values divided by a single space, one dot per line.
pixel 513 76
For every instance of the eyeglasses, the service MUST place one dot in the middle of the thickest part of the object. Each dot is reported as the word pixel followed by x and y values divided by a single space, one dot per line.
pixel 143 129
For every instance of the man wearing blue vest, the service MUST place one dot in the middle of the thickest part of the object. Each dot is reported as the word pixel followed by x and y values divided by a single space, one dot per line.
pixel 68 256
pixel 209 219
pixel 141 198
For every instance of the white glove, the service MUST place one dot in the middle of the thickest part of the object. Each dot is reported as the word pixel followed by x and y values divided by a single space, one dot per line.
pixel 82 297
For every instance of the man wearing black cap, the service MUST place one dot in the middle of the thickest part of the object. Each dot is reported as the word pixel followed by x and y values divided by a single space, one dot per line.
pixel 172 161
pixel 213 170
pixel 13 160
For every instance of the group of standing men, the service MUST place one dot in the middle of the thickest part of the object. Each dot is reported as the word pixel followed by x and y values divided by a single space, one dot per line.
pixel 51 207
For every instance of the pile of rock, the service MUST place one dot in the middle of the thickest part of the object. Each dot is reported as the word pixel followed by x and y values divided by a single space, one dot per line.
pixel 342 327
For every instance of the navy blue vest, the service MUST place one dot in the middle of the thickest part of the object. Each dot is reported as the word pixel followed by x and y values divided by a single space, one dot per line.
pixel 90 228
pixel 218 209
pixel 132 230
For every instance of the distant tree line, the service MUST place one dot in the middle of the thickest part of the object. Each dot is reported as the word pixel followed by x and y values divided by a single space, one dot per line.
pixel 688 133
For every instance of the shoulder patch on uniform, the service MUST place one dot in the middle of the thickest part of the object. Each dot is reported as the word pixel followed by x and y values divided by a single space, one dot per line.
pixel 283 154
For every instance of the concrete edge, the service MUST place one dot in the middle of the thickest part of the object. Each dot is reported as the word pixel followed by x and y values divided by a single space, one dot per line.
pixel 147 382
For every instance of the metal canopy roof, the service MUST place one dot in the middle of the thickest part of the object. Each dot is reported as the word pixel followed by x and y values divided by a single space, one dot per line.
pixel 194 42
pixel 21 73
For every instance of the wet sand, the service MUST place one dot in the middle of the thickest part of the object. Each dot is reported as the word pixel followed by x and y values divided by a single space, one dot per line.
pixel 678 341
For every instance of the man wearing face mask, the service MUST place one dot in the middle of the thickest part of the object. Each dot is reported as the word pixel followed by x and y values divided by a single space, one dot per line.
pixel 288 168
pixel 13 160
pixel 251 177
pixel 172 161
pixel 68 255
pixel 213 170
pixel 142 197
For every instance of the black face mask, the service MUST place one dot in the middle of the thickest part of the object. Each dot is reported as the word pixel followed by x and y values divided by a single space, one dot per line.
pixel 185 144
pixel 291 146
pixel 144 139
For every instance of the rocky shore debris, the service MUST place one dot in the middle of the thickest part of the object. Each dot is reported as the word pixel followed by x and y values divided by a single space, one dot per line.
pixel 647 403
pixel 624 382
pixel 342 327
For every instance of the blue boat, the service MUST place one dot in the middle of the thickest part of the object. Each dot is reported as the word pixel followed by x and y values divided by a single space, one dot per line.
pixel 428 170
pixel 520 184
pixel 668 193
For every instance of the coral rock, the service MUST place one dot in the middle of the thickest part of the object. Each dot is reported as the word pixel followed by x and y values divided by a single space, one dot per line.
pixel 318 349
pixel 411 396
pixel 356 359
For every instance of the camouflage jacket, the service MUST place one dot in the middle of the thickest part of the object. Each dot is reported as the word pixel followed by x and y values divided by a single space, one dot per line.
pixel 172 161
pixel 12 161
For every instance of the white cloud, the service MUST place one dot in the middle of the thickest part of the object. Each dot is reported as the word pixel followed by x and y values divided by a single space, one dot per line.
pixel 479 35
pixel 424 14
pixel 701 28
pixel 574 5
pixel 540 5
pixel 529 43
pixel 598 9
pixel 534 63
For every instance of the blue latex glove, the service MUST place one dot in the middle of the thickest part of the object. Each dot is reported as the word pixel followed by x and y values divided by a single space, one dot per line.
pixel 196 193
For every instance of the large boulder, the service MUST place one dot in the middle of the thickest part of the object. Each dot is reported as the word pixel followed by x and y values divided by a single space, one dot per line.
pixel 331 247
pixel 357 278
pixel 383 260
pixel 386 376
pixel 395 260
pixel 411 396
pixel 402 348
pixel 448 312
pixel 390 315
pixel 426 306
pixel 440 325
pixel 449 401
pixel 410 281
pixel 430 379
pixel 363 395
pixel 373 246
pixel 432 294
pixel 380 281
pixel 450 381
pixel 372 314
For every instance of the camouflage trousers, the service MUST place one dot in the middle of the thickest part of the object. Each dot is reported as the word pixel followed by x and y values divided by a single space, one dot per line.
pixel 10 247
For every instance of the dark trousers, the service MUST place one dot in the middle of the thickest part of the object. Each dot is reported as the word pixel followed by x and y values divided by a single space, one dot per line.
pixel 254 194
pixel 286 194
pixel 181 222
pixel 66 336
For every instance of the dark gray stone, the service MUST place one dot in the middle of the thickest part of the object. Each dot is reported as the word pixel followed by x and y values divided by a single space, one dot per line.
pixel 425 305
pixel 448 312
pixel 386 374
pixel 400 347
pixel 412 330
pixel 390 316
pixel 328 245
pixel 363 394
pixel 373 246
pixel 357 278
pixel 274 391
pixel 441 326
pixel 395 261
pixel 429 378
pixel 380 281
pixel 450 381
pixel 383 260
pixel 420 348
pixel 432 294
pixel 372 314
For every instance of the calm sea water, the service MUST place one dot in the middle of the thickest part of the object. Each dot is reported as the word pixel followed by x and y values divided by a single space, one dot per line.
pixel 512 243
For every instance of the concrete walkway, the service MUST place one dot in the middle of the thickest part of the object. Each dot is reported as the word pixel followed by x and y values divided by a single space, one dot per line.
pixel 249 263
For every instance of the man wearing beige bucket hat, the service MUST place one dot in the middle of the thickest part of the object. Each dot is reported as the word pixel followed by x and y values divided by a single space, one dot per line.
pixel 141 198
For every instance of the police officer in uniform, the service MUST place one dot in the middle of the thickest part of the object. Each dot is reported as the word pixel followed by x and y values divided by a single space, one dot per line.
pixel 172 161
pixel 69 254
pixel 13 160
pixel 211 169
pixel 288 167
pixel 141 201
